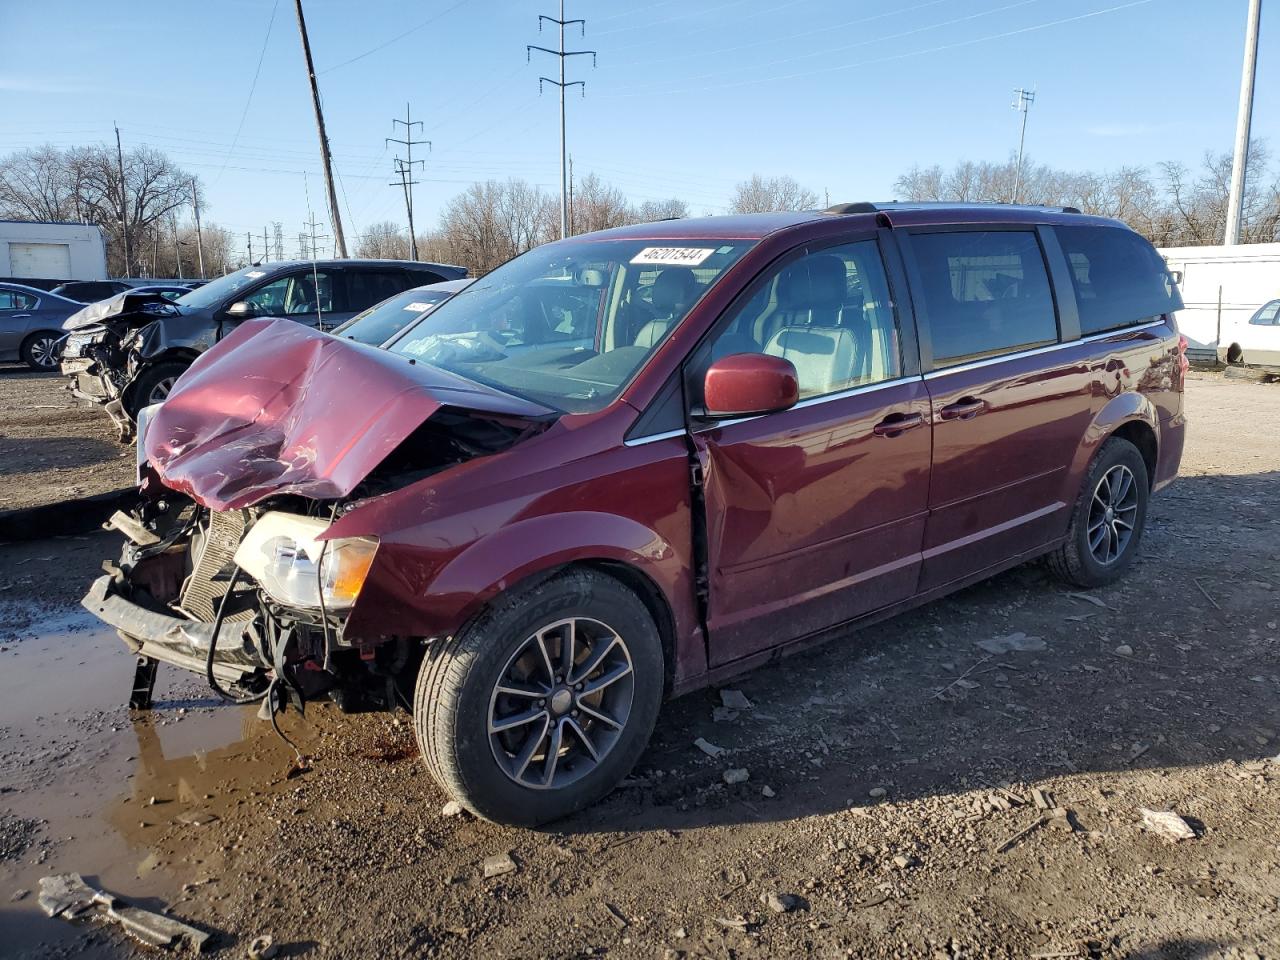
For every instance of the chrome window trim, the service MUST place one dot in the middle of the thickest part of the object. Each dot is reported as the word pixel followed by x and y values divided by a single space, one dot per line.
pixel 1036 351
pixel 883 384
pixel 653 438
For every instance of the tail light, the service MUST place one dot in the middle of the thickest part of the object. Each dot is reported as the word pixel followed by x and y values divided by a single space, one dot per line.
pixel 1183 363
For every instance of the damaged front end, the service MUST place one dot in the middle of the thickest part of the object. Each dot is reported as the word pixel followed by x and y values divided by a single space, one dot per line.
pixel 100 354
pixel 229 569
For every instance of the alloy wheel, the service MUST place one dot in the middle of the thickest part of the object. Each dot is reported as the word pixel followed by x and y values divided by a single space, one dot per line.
pixel 1112 514
pixel 560 704
pixel 44 352
pixel 161 390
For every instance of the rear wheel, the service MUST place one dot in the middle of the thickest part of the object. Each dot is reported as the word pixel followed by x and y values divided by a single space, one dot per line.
pixel 1108 519
pixel 40 350
pixel 544 702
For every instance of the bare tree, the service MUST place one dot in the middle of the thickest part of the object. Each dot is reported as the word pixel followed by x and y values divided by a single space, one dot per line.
pixel 491 222
pixel 670 209
pixel 766 194
pixel 385 241
pixel 598 206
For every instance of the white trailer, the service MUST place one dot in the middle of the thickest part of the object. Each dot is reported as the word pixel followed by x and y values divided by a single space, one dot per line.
pixel 52 251
pixel 1231 298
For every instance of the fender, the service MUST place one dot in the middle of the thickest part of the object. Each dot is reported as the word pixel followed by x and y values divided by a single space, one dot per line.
pixel 1127 407
pixel 519 552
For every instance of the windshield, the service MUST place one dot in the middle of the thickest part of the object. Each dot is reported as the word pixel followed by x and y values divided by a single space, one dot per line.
pixel 214 292
pixel 568 324
pixel 384 320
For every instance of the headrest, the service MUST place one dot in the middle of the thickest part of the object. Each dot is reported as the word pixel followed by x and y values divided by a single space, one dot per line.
pixel 673 288
pixel 818 282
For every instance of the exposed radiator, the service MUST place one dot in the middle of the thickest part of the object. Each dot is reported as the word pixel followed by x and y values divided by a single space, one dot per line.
pixel 202 594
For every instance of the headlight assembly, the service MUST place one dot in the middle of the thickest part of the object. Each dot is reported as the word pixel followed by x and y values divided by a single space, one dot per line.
pixel 282 553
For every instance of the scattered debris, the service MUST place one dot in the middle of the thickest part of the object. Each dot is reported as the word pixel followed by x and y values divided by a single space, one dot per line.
pixel 1060 818
pixel 1124 650
pixel 781 902
pixel 500 864
pixel 767 792
pixel 735 700
pixel 197 818
pixel 452 809
pixel 736 775
pixel 262 948
pixel 616 915
pixel 741 924
pixel 1013 643
pixel 710 749
pixel 66 895
pixel 904 861
pixel 876 793
pixel 1021 835
pixel 1207 595
pixel 1089 598
pixel 1043 799
pixel 1137 750
pixel 1167 823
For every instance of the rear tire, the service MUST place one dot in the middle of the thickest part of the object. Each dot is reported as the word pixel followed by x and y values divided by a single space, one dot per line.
pixel 40 351
pixel 1108 518
pixel 475 691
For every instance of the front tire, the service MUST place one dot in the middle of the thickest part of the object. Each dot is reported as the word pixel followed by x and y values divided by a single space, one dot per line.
pixel 1108 519
pixel 543 703
pixel 153 385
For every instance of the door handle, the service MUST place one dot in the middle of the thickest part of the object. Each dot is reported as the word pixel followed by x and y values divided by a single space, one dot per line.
pixel 897 423
pixel 21 316
pixel 965 408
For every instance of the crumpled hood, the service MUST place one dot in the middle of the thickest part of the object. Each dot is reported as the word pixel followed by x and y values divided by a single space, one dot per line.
pixel 280 408
pixel 141 303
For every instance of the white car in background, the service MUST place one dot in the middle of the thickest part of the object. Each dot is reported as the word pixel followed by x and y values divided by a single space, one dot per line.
pixel 1257 342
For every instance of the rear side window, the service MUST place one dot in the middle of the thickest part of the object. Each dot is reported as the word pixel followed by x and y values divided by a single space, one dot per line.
pixel 985 293
pixel 1118 277
pixel 13 300
pixel 367 287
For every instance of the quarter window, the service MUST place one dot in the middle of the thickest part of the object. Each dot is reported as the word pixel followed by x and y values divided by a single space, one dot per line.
pixel 828 312
pixel 1268 315
pixel 1118 277
pixel 367 287
pixel 13 300
pixel 985 293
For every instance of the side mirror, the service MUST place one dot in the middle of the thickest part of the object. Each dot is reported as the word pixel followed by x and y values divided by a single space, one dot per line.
pixel 241 310
pixel 746 384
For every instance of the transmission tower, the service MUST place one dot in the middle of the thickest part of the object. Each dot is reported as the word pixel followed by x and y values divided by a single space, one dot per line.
pixel 1022 101
pixel 563 55
pixel 404 170
pixel 277 239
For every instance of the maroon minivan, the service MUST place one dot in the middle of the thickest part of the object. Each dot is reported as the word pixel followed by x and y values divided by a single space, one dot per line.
pixel 633 463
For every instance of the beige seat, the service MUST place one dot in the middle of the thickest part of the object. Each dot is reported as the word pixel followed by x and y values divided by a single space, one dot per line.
pixel 673 290
pixel 823 356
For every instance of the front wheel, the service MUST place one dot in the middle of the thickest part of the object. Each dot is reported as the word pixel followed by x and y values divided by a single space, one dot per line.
pixel 543 703
pixel 153 385
pixel 1108 519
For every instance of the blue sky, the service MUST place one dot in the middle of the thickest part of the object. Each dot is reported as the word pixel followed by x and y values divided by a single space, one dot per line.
pixel 687 99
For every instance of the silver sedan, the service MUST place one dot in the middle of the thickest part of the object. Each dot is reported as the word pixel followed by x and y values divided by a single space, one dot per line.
pixel 31 325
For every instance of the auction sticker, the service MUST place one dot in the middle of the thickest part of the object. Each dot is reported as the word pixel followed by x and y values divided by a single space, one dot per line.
pixel 676 256
pixel 417 306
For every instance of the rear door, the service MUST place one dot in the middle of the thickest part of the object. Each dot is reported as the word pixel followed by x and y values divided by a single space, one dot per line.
pixel 16 308
pixel 1008 406
pixel 816 514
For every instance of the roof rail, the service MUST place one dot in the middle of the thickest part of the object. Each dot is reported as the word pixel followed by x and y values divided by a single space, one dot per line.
pixel 861 206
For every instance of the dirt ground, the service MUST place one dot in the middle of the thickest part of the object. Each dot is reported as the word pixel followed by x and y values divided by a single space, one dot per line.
pixel 889 790
pixel 53 447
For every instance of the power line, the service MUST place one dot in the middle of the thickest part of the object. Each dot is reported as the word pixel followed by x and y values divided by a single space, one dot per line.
pixel 252 87
pixel 563 55
pixel 396 39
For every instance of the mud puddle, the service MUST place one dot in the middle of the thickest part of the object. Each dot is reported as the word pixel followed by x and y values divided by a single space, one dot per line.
pixel 88 786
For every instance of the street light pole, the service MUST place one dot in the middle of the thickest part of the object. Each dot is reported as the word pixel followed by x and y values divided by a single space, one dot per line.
pixel 1244 119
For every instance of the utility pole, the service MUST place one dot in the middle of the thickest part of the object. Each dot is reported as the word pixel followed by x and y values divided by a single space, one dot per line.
pixel 266 247
pixel 404 169
pixel 277 238
pixel 1022 100
pixel 124 202
pixel 563 54
pixel 1244 119
pixel 248 239
pixel 195 203
pixel 572 228
pixel 177 244
pixel 325 158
